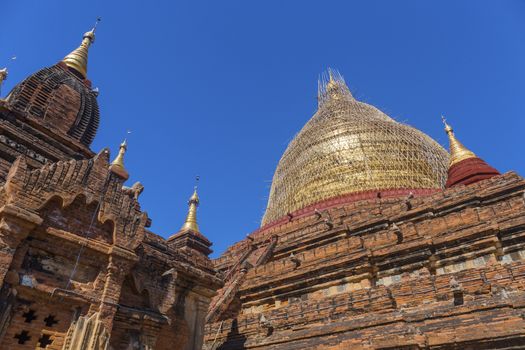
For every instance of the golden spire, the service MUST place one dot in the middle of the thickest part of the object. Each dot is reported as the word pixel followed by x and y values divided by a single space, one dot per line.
pixel 458 152
pixel 117 165
pixel 331 80
pixel 332 86
pixel 191 218
pixel 78 58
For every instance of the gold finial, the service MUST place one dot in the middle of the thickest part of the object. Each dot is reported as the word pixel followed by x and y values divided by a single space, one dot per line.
pixel 117 165
pixel 78 58
pixel 331 84
pixel 458 152
pixel 332 87
pixel 191 219
pixel 330 75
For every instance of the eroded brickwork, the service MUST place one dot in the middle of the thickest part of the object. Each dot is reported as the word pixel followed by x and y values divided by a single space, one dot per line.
pixel 74 244
pixel 401 268
pixel 50 116
pixel 78 267
pixel 443 271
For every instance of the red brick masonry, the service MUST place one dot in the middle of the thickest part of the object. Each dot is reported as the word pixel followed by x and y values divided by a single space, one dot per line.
pixel 443 271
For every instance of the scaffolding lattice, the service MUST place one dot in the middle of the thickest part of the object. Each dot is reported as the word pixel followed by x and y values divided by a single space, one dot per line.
pixel 349 146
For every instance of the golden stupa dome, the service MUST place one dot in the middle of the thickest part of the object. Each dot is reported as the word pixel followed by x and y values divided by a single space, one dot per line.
pixel 348 147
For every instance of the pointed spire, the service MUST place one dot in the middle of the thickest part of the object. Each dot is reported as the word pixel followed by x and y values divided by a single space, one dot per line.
pixel 331 81
pixel 191 218
pixel 332 86
pixel 117 165
pixel 78 58
pixel 189 236
pixel 458 152
pixel 465 167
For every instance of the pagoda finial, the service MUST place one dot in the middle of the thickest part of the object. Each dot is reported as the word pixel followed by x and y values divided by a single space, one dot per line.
pixel 191 219
pixel 458 152
pixel 332 86
pixel 465 167
pixel 78 58
pixel 330 75
pixel 117 165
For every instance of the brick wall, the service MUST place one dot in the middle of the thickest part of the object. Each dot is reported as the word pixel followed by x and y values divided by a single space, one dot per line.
pixel 413 273
pixel 73 245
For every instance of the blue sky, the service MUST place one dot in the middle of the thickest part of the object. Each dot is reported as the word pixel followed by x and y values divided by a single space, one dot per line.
pixel 219 88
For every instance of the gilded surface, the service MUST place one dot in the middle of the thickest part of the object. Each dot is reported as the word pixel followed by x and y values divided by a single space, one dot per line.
pixel 349 146
pixel 191 219
pixel 458 152
pixel 117 165
pixel 78 58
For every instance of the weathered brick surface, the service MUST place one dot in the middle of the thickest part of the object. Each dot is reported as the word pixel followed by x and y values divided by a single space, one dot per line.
pixel 74 247
pixel 443 271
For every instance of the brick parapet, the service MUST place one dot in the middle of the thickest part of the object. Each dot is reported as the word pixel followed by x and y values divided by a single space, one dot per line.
pixel 391 255
pixel 85 249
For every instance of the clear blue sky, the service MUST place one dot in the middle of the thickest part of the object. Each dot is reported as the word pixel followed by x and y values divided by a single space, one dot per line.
pixel 218 88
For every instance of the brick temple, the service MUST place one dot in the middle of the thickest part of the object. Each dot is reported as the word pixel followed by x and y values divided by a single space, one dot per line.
pixel 374 237
pixel 79 268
